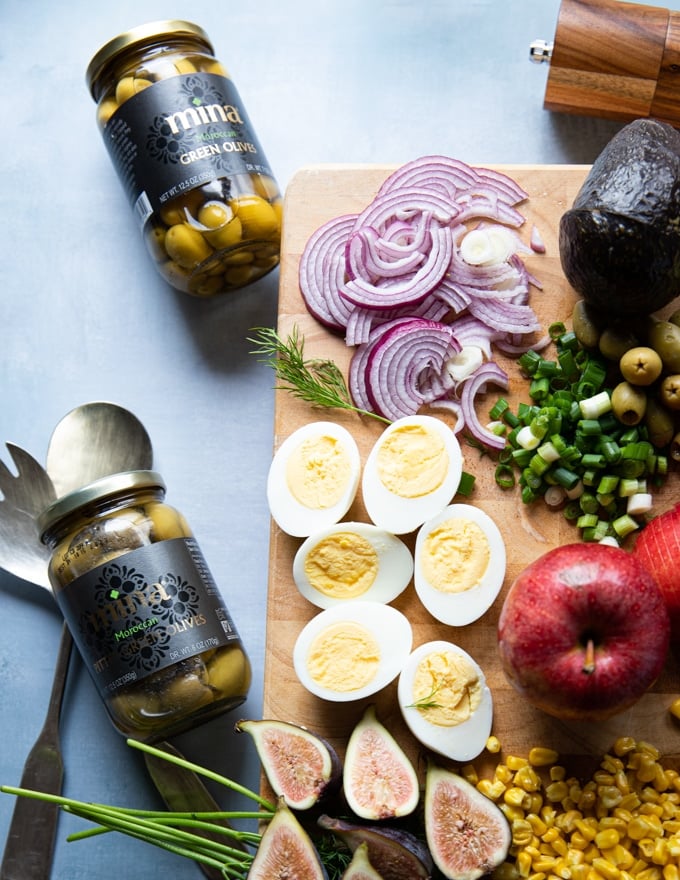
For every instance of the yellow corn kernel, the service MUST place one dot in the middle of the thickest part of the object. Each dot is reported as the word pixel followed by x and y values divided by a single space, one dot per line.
pixel 493 745
pixel 580 872
pixel 503 773
pixel 606 869
pixel 469 773
pixel 650 873
pixel 623 858
pixel 607 839
pixel 527 778
pixel 544 864
pixel 609 796
pixel 538 826
pixel 630 802
pixel 523 863
pixel 522 833
pixel 515 797
pixel 537 875
pixel 638 828
pixel 548 814
pixel 512 814
pixel 534 802
pixel 613 822
pixel 578 841
pixel 588 827
pixel 611 764
pixel 671 872
pixel 493 790
pixel 559 845
pixel 556 791
pixel 621 782
pixel 587 800
pixel 550 835
pixel 514 762
pixel 602 778
pixel 557 773
pixel 540 757
pixel 648 748
pixel 594 875
pixel 623 745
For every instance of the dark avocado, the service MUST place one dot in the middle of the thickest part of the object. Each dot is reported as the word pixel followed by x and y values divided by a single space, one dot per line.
pixel 620 241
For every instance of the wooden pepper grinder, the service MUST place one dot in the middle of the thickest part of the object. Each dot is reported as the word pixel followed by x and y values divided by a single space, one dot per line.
pixel 613 59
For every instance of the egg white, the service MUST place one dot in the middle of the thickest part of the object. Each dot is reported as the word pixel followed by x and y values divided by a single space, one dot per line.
pixel 395 565
pixel 464 741
pixel 393 512
pixel 389 627
pixel 460 609
pixel 290 515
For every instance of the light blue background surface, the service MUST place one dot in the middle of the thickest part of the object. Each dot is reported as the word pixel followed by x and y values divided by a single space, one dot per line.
pixel 83 315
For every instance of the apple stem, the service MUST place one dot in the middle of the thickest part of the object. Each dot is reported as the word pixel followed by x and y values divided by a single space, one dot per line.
pixel 589 662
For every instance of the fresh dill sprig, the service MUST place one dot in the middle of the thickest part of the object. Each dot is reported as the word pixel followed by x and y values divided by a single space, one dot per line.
pixel 427 702
pixel 316 381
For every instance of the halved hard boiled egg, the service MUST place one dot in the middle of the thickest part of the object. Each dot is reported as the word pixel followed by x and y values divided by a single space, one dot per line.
pixel 313 478
pixel 352 560
pixel 445 700
pixel 411 473
pixel 352 650
pixel 459 564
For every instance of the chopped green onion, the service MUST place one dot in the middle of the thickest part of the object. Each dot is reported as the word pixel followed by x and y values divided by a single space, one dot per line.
pixel 466 484
pixel 566 441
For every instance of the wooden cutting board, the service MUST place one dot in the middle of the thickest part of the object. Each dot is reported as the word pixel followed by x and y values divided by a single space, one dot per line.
pixel 315 195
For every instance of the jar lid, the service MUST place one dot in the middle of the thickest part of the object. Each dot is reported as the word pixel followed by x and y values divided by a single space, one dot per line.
pixel 96 491
pixel 139 36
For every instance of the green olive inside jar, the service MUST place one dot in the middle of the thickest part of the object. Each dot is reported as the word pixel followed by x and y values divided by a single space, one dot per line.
pixel 142 606
pixel 186 153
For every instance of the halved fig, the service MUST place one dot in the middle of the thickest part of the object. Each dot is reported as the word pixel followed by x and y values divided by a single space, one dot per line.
pixel 360 868
pixel 394 854
pixel 299 765
pixel 286 850
pixel 378 779
pixel 467 834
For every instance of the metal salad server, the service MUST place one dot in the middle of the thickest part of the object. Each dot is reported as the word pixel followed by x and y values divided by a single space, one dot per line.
pixel 94 440
pixel 30 841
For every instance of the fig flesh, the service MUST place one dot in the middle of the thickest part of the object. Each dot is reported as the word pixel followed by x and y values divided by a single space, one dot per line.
pixel 286 850
pixel 467 834
pixel 299 765
pixel 378 778
pixel 360 868
pixel 393 853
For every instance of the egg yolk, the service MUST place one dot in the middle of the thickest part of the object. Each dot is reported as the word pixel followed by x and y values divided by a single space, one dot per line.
pixel 455 556
pixel 342 566
pixel 446 688
pixel 344 657
pixel 412 461
pixel 318 471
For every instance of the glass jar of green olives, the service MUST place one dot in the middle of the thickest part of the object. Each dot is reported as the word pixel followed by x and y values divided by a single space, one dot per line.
pixel 180 139
pixel 142 607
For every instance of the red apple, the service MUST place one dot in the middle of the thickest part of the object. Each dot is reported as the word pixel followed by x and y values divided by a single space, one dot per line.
pixel 583 631
pixel 658 548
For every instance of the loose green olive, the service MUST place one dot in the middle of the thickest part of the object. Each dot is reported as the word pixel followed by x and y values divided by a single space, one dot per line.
pixel 659 423
pixel 585 324
pixel 675 447
pixel 640 366
pixel 670 392
pixel 664 338
pixel 616 341
pixel 628 403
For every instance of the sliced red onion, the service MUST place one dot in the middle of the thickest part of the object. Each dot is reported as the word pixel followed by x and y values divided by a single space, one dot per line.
pixel 536 241
pixel 488 374
pixel 393 278
pixel 322 272
pixel 405 367
pixel 412 289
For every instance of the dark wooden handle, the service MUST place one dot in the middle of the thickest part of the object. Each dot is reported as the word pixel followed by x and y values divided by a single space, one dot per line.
pixel 617 60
